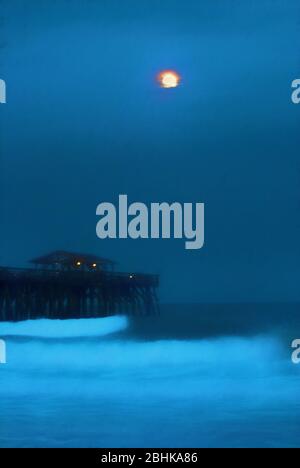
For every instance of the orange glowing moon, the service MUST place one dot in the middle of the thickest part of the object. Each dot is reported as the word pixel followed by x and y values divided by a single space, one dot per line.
pixel 169 79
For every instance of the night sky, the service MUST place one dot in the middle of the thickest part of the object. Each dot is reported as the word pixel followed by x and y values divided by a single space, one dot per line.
pixel 85 121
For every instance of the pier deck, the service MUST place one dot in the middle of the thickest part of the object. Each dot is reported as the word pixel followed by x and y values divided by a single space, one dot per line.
pixel 30 293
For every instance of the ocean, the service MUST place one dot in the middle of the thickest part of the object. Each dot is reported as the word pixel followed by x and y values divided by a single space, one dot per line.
pixel 214 375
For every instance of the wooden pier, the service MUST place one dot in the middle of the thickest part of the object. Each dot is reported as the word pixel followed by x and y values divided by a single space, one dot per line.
pixel 65 285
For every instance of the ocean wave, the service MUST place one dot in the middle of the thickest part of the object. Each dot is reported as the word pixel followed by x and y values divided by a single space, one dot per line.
pixel 60 329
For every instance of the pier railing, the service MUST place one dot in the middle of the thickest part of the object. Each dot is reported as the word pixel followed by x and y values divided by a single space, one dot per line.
pixel 78 275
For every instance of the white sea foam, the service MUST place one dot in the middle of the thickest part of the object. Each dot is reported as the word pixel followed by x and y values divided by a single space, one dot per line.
pixel 64 328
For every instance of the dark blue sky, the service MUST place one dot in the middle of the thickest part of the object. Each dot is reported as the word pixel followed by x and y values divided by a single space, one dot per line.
pixel 85 121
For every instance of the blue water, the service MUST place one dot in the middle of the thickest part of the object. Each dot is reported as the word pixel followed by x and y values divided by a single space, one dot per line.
pixel 121 382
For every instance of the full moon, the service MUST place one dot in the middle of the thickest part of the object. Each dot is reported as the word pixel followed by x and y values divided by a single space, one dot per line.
pixel 169 79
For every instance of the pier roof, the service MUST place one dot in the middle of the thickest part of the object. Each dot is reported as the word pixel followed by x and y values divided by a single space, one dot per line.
pixel 70 258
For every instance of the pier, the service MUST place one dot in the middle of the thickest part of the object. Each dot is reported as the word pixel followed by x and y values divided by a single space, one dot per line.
pixel 64 285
